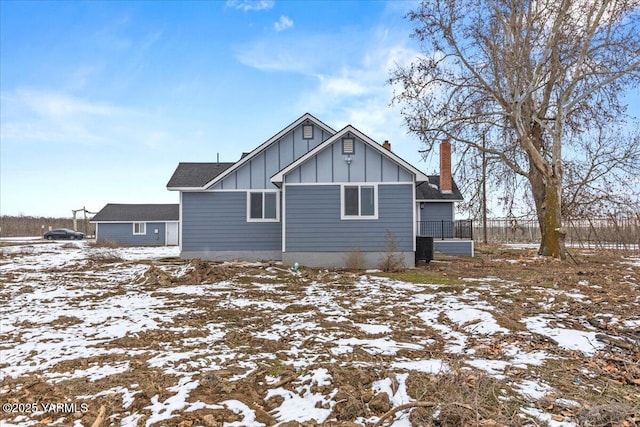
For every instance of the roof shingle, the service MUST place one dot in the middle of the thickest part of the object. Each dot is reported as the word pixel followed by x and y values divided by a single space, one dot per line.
pixel 195 175
pixel 431 190
pixel 137 212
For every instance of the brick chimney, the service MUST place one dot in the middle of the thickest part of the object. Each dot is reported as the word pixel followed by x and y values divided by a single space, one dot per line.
pixel 386 145
pixel 446 183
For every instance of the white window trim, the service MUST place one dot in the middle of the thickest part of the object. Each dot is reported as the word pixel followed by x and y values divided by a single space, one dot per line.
pixel 276 219
pixel 144 228
pixel 359 217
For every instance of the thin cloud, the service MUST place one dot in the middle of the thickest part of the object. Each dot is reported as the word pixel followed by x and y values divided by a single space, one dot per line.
pixel 351 78
pixel 33 116
pixel 47 116
pixel 283 23
pixel 251 5
pixel 290 52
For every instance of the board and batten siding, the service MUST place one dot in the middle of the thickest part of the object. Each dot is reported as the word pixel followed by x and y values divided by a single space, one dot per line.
pixel 256 173
pixel 313 221
pixel 122 233
pixel 217 221
pixel 366 165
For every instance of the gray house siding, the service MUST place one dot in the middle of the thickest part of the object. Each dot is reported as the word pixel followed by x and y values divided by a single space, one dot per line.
pixel 255 173
pixel 122 234
pixel 366 165
pixel 436 219
pixel 436 211
pixel 315 232
pixel 454 247
pixel 214 226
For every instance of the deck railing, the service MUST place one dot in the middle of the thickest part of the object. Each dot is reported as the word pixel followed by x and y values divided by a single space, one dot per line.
pixel 461 229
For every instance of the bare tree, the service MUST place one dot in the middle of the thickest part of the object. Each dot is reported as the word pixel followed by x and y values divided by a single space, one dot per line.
pixel 540 76
pixel 603 177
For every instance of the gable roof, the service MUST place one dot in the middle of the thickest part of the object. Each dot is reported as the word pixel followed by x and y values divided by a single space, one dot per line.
pixel 420 176
pixel 431 190
pixel 190 175
pixel 244 159
pixel 115 212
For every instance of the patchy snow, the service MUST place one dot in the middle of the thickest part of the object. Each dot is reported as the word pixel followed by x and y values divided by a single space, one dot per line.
pixel 492 367
pixel 248 415
pixel 60 307
pixel 569 339
pixel 382 346
pixel 164 410
pixel 429 366
pixel 547 418
pixel 632 323
pixel 535 390
pixel 373 329
pixel 475 321
pixel 305 405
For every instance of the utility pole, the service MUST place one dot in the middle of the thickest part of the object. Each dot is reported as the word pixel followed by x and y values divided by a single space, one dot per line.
pixel 484 189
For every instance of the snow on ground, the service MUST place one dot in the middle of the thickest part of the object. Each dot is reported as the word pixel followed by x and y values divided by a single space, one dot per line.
pixel 73 312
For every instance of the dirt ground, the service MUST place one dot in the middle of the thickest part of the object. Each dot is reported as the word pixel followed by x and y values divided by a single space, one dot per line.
pixel 502 339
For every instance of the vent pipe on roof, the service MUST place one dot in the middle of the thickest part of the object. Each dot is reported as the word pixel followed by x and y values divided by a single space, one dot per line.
pixel 218 158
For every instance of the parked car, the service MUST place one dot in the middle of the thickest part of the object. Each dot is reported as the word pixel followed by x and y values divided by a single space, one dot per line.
pixel 63 233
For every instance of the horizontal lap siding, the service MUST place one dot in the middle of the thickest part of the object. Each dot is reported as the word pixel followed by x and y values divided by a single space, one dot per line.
pixel 437 211
pixel 453 247
pixel 313 221
pixel 122 233
pixel 218 222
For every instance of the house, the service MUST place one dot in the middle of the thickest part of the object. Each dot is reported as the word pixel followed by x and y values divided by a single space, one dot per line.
pixel 138 224
pixel 312 195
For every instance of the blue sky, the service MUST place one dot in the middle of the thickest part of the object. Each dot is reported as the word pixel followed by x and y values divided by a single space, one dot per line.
pixel 101 100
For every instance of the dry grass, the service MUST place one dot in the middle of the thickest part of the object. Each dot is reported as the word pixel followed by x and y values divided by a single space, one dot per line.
pixel 105 243
pixel 105 257
pixel 603 384
pixel 355 260
pixel 462 398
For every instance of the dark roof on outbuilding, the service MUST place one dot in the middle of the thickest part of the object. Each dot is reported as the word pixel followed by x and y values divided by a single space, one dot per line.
pixel 195 175
pixel 431 190
pixel 137 212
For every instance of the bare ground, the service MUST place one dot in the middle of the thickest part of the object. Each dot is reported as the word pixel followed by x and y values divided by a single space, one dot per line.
pixel 487 341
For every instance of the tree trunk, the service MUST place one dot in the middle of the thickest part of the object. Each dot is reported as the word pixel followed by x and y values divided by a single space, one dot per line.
pixel 546 188
pixel 550 217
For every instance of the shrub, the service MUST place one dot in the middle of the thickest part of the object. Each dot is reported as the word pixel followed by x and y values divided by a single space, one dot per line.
pixel 105 243
pixel 355 260
pixel 392 261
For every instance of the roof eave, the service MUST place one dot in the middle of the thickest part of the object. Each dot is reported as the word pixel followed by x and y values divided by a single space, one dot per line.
pixel 247 158
pixel 419 176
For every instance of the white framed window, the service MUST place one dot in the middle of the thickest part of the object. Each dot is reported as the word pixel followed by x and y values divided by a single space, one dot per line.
pixel 139 228
pixel 263 206
pixel 359 201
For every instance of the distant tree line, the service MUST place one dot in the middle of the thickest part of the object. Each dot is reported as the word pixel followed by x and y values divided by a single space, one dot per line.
pixel 27 226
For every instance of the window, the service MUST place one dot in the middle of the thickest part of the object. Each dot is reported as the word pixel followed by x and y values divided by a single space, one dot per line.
pixel 359 202
pixel 139 228
pixel 262 206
